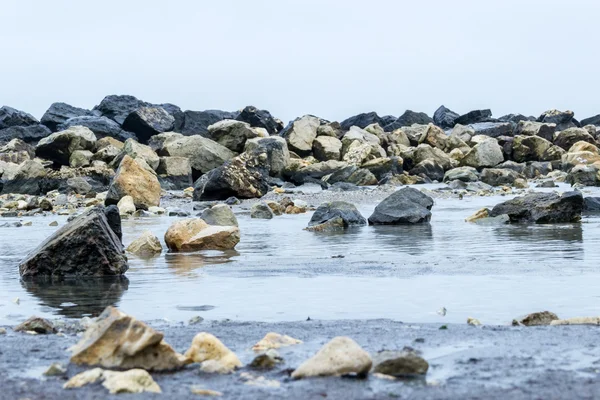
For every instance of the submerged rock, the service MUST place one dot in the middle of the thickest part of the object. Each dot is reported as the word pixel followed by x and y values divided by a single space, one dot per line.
pixel 117 340
pixel 195 234
pixel 341 356
pixel 404 363
pixel 347 212
pixel 536 319
pixel 213 355
pixel 145 246
pixel 405 206
pixel 86 246
pixel 542 208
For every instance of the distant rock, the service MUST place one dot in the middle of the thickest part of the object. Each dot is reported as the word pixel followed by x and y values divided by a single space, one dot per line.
pixel 492 129
pixel 409 118
pixel 260 119
pixel 542 208
pixel 568 137
pixel 261 211
pixel 24 179
pixel 536 319
pixel 137 151
pixel 102 127
pixel 327 148
pixel 276 150
pixel 220 215
pixel 487 153
pixel 29 134
pixel 118 107
pixel 10 117
pixel 405 206
pixel 146 122
pixel 499 176
pixel 145 246
pixel 473 117
pixel 204 154
pixel 347 212
pixel 195 234
pixel 232 134
pixel 532 128
pixel 37 325
pixel 562 119
pixel 301 133
pixel 595 120
pixel 445 118
pixel 191 123
pixel 59 113
pixel 361 120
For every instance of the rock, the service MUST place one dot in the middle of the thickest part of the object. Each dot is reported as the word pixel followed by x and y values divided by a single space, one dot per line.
pixel 532 128
pixel 567 138
pixel 126 205
pixel 197 122
pixel 473 321
pixel 102 127
pixel 261 119
pixel 499 177
pixel 245 176
pixel 219 215
pixel 145 246
pixel 429 170
pixel 118 107
pixel 136 150
pixel 327 148
pixel 114 220
pixel 261 211
pixel 405 206
pixel 275 147
pixel 79 185
pixel 361 121
pixel 59 113
pixel 362 177
pixel 341 356
pixel 492 129
pixel 595 120
pixel 86 246
pixel 591 204
pixel 174 173
pixel 37 325
pixel 132 381
pixel 24 179
pixel 55 369
pixel 348 213
pixel 563 120
pixel 404 363
pixel 542 208
pixel 213 355
pixel 274 340
pixel 586 175
pixel 204 154
pixel 81 158
pixel 266 361
pixel 16 151
pixel 464 174
pixel 474 117
pixel 479 214
pixel 301 133
pixel 132 179
pixel 533 148
pixel 205 392
pixel 232 134
pixel 384 166
pixel 536 319
pixel 84 378
pixel 445 118
pixel 195 234
pixel 117 340
pixel 10 117
pixel 59 146
pixel 146 122
pixel 484 154
pixel 425 152
pixel 409 118
pixel 29 134
pixel 577 321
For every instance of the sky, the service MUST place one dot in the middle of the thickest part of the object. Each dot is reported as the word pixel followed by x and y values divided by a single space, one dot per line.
pixel 328 58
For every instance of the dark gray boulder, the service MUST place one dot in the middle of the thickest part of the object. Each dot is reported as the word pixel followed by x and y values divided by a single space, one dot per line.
pixel 409 118
pixel 348 213
pixel 499 176
pixel 473 117
pixel 118 107
pixel 568 137
pixel 10 117
pixel 86 246
pixel 361 120
pixel 428 169
pixel 146 122
pixel 170 108
pixel 405 206
pixel 101 126
pixel 444 117
pixel 59 113
pixel 591 204
pixel 595 120
pixel 562 119
pixel 542 208
pixel 29 134
pixel 259 119
pixel 197 122
pixel 27 179
pixel 493 129
pixel 113 217
pixel 515 118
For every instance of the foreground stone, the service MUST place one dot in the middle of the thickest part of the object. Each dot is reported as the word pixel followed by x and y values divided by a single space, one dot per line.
pixel 542 208
pixel 37 325
pixel 274 340
pixel 341 356
pixel 405 206
pixel 195 234
pixel 347 212
pixel 146 246
pixel 133 179
pixel 219 214
pixel 404 363
pixel 213 355
pixel 86 246
pixel 261 211
pixel 117 340
pixel 536 319
pixel 132 381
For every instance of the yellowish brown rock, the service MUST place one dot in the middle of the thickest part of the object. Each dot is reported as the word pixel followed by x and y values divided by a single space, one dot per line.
pixel 134 179
pixel 482 213
pixel 117 340
pixel 213 355
pixel 146 246
pixel 84 378
pixel 195 234
pixel 341 356
pixel 473 321
pixel 577 321
pixel 274 340
pixel 205 392
pixel 132 381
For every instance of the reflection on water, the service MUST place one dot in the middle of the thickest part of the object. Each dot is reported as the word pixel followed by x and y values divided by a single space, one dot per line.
pixel 186 263
pixel 77 298
pixel 410 239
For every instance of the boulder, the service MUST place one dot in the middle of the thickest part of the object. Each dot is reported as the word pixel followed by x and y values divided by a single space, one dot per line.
pixel 10 117
pixel 261 211
pixel 383 166
pixel 542 208
pixel 29 134
pixel 174 173
pixel 145 246
pixel 102 127
pixel 118 107
pixel 444 117
pixel 492 129
pixel 219 215
pixel 406 363
pixel 195 234
pixel 532 148
pixel 59 113
pixel 464 174
pixel 429 170
pixel 536 319
pixel 327 148
pixel 232 134
pixel 212 354
pixel 204 154
pixel 261 119
pixel 81 158
pixel 595 120
pixel 423 152
pixel 79 185
pixel 332 129
pixel 133 179
pixel 197 122
pixel 405 206
pixel 301 133
pixel 16 151
pixel 487 153
pixel 532 128
pixel 146 122
pixel 409 118
pixel 361 120
pixel 126 205
pixel 591 204
pixel 86 246
pixel 117 340
pixel 341 356
pixel 348 213
pixel 473 117
pixel 499 176
pixel 59 146
pixel 36 324
pixel 24 179
pixel 562 119
pixel 586 175
pixel 136 150
pixel 568 137
pixel 276 150
pixel 158 142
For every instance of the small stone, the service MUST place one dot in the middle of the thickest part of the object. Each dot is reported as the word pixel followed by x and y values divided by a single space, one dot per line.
pixel 195 320
pixel 266 360
pixel 473 321
pixel 28 223
pixel 84 378
pixel 536 319
pixel 400 363
pixel 126 205
pixel 37 325
pixel 274 340
pixel 53 223
pixel 213 355
pixel 146 246
pixel 17 301
pixel 261 211
pixel 577 321
pixel 479 214
pixel 205 392
pixel 55 369
pixel 132 381
pixel 2 331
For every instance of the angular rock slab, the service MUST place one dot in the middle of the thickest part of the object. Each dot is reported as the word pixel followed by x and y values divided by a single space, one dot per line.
pixel 117 340
pixel 213 355
pixel 86 246
pixel 542 208
pixel 405 206
pixel 195 234
pixel 331 210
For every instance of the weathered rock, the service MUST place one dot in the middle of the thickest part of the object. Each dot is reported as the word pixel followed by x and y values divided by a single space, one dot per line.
pixel 327 148
pixel 195 234
pixel 487 153
pixel 499 176
pixel 28 134
pixel 591 204
pixel 532 148
pixel 232 134
pixel 59 113
pixel 261 211
pixel 562 119
pixel 197 122
pixel 404 363
pixel 332 129
pixel 422 152
pixel 586 175
pixel 174 173
pixel 473 117
pixel 361 120
pixel 55 369
pixel 405 206
pixel 275 147
pixel 429 170
pixel 595 120
pixel 86 246
pixel 274 340
pixel 265 361
pixel 24 178
pixel 137 150
pixel 102 127
pixel 132 381
pixel 80 158
pixel 37 325
pixel 409 118
pixel 126 205
pixel 569 137
pixel 145 246
pixel 79 185
pixel 204 154
pixel 117 340
pixel 341 356
pixel 348 213
pixel 146 122
pixel 118 107
pixel 84 378
pixel 464 174
pixel 492 129
pixel 10 117
pixel 577 321
pixel 219 215
pixel 301 133
pixel 213 355
pixel 132 179
pixel 261 119
pixel 445 118
pixel 532 128
pixel 362 177
pixel 536 319
pixel 542 208
pixel 59 146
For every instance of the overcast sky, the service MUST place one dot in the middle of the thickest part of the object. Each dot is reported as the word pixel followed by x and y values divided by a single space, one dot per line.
pixel 328 58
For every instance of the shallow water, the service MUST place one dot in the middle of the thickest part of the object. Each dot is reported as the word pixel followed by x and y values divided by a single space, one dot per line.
pixel 281 272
